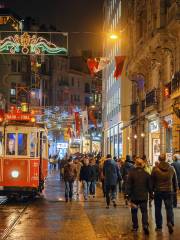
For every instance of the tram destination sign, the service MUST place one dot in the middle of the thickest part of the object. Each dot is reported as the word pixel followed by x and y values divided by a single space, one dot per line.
pixel 18 117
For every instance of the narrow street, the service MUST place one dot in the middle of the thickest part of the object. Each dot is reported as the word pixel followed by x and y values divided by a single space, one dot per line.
pixel 50 218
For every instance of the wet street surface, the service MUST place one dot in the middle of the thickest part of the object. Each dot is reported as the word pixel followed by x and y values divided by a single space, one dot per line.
pixel 50 218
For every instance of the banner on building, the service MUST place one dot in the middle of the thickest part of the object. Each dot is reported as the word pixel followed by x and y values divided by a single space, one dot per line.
pixel 92 118
pixel 119 61
pixel 77 124
pixel 84 121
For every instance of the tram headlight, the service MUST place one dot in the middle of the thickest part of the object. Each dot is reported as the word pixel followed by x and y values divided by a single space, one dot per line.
pixel 15 173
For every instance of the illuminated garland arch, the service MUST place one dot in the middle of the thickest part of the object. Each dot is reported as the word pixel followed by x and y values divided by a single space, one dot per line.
pixel 27 44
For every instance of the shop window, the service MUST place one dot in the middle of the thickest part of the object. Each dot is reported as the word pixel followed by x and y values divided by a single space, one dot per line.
pixel 32 144
pixel 1 144
pixel 22 144
pixel 10 144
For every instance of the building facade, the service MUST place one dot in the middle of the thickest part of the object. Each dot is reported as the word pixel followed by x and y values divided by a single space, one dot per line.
pixel 111 88
pixel 152 32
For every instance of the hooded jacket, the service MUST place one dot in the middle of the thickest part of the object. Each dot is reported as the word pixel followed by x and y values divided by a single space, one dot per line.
pixel 111 172
pixel 164 178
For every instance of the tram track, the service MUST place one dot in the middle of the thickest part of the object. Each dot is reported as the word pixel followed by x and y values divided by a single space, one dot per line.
pixel 14 221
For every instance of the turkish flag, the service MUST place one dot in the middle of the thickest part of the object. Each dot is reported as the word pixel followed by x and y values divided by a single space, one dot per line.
pixel 119 66
pixel 92 65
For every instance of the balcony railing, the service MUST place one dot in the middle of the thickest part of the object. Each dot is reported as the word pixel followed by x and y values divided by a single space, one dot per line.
pixel 133 110
pixel 151 98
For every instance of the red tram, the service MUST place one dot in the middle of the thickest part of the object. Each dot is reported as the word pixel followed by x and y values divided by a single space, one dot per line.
pixel 23 155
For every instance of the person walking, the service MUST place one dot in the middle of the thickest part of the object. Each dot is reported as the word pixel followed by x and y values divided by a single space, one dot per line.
pixel 125 168
pixel 176 165
pixel 85 177
pixel 94 177
pixel 70 174
pixel 139 185
pixel 111 175
pixel 164 184
pixel 78 165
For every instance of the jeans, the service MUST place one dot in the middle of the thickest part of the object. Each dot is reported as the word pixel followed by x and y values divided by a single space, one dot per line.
pixel 93 188
pixel 134 213
pixel 110 193
pixel 86 187
pixel 168 202
pixel 76 187
pixel 68 189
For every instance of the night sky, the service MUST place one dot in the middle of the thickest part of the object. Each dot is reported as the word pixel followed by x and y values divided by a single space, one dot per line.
pixel 68 16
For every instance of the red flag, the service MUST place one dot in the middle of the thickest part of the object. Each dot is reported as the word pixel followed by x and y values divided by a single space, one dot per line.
pixel 119 66
pixel 92 65
pixel 92 118
pixel 77 123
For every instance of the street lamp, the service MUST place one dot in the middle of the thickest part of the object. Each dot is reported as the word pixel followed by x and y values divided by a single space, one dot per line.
pixel 113 36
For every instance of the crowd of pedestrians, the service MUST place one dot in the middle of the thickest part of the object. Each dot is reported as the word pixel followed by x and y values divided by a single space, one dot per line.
pixel 139 182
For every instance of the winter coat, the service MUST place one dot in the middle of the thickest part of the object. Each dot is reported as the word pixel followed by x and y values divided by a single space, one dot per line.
pixel 95 172
pixel 70 172
pixel 86 173
pixel 164 178
pixel 111 172
pixel 176 165
pixel 138 184
pixel 126 167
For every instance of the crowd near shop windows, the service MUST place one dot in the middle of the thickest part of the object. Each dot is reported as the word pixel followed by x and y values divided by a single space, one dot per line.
pixel 1 143
pixel 10 144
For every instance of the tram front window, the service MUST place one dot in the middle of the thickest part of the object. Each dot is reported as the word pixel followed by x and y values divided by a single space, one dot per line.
pixel 11 143
pixel 1 144
pixel 22 144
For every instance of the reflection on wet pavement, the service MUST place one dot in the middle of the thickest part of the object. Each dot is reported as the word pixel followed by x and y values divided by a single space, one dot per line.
pixel 50 218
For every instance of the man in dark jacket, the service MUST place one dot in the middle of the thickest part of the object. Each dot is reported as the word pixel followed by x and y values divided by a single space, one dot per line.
pixel 125 168
pixel 111 175
pixel 85 177
pixel 70 173
pixel 94 177
pixel 139 185
pixel 164 184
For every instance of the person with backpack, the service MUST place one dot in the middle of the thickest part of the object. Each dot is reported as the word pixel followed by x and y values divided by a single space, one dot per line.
pixel 70 174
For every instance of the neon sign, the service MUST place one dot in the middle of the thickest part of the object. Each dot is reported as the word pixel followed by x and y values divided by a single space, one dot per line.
pixel 27 44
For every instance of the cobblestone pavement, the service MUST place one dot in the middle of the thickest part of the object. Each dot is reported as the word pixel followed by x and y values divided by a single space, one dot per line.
pixel 50 218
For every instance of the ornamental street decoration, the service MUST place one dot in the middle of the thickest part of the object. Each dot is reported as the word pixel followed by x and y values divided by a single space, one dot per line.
pixel 26 43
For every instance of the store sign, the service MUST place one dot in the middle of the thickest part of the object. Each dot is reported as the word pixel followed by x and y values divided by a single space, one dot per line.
pixel 154 126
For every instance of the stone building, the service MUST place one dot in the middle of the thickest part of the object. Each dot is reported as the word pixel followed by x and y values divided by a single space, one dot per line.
pixel 152 37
